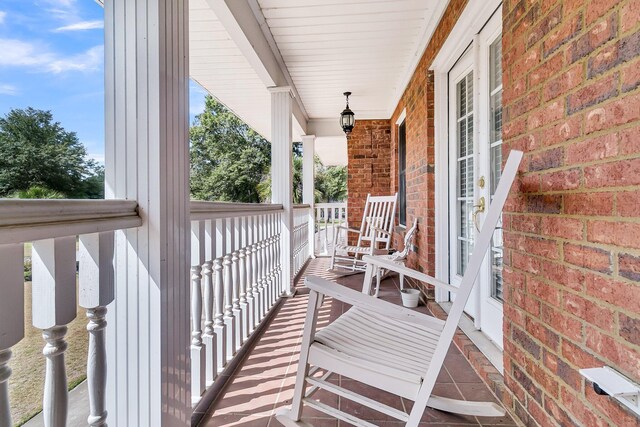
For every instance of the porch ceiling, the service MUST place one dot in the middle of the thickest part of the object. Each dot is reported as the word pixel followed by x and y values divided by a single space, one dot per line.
pixel 320 48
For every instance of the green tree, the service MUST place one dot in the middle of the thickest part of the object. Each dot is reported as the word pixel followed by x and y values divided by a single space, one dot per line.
pixel 37 192
pixel 331 184
pixel 37 151
pixel 228 159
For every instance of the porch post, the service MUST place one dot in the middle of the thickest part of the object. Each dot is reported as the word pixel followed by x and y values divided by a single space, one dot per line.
pixel 308 186
pixel 147 160
pixel 282 176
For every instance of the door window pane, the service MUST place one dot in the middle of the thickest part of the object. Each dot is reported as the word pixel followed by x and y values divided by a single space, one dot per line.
pixel 464 95
pixel 495 141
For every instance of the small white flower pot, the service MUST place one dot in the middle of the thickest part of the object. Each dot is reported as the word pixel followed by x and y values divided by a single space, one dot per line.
pixel 410 297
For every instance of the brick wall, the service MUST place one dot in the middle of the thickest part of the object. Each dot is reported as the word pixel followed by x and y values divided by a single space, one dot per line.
pixel 418 100
pixel 572 103
pixel 368 150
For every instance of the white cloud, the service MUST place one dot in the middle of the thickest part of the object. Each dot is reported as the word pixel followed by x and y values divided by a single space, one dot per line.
pixel 7 89
pixel 97 157
pixel 2 16
pixel 82 26
pixel 38 58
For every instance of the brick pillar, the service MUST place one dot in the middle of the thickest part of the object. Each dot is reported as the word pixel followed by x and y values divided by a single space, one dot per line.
pixel 369 156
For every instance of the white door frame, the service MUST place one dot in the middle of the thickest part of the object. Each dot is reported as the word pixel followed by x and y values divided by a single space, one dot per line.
pixel 471 21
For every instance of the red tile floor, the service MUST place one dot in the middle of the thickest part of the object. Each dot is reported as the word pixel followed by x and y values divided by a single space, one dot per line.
pixel 264 382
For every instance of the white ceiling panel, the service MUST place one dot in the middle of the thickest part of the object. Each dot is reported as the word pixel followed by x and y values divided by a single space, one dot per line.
pixel 368 47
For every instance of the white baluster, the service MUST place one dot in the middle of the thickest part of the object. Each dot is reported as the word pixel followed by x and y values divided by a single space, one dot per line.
pixel 263 268
pixel 11 318
pixel 235 266
pixel 208 334
pixel 54 305
pixel 272 256
pixel 268 278
pixel 242 271
pixel 228 293
pixel 251 324
pixel 278 253
pixel 96 291
pixel 218 324
pixel 198 366
pixel 256 271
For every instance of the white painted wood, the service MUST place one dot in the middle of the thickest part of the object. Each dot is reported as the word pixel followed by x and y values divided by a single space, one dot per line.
pixel 146 109
pixel 198 362
pixel 282 176
pixel 251 303
pixel 208 334
pixel 29 220
pixel 54 282
pixel 235 264
pixel 244 289
pixel 55 403
pixel 96 291
pixel 11 318
pixel 379 213
pixel 97 366
pixel 255 272
pixel 387 346
pixel 308 185
pixel 264 284
pixel 215 210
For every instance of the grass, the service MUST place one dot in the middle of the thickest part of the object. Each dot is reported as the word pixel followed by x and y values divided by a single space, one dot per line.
pixel 26 384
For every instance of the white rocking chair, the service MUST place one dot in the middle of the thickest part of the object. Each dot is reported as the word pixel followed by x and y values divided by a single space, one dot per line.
pixel 388 346
pixel 379 213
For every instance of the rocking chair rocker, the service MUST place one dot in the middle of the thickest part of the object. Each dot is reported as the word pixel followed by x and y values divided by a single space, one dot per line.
pixel 387 346
pixel 379 213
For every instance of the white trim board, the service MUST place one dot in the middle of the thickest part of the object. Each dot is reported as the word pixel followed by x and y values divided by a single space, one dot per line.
pixel 472 20
pixel 491 351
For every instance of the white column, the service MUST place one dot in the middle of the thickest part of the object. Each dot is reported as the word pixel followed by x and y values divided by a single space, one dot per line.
pixel 308 186
pixel 147 160
pixel 282 176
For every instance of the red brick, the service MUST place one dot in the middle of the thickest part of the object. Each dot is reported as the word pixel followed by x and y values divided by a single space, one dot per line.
pixel 577 408
pixel 558 226
pixel 630 76
pixel 613 113
pixel 578 356
pixel 613 174
pixel 592 258
pixel 563 83
pixel 629 141
pixel 615 292
pixel 599 204
pixel 629 328
pixel 546 70
pixel 563 131
pixel 564 325
pixel 590 311
pixel 542 333
pixel 596 9
pixel 621 355
pixel 617 233
pixel 547 293
pixel 568 29
pixel 563 275
pixel 610 407
pixel 592 149
pixel 628 203
pixel 560 180
pixel 595 93
pixel 629 267
pixel 629 15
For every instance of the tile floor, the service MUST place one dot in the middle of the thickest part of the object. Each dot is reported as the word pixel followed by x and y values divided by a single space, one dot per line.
pixel 265 381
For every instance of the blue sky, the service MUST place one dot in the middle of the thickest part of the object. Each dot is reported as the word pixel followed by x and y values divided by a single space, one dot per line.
pixel 51 58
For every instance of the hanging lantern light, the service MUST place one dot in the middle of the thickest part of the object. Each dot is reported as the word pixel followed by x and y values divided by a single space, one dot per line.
pixel 347 118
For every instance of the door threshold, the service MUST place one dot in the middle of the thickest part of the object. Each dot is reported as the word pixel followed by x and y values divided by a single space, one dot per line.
pixel 492 352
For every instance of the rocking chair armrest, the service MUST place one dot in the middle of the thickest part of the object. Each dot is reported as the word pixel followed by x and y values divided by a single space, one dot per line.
pixel 379 230
pixel 371 303
pixel 391 265
pixel 342 227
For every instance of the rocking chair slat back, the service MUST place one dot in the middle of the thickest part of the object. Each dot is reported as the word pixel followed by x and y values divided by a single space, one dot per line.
pixel 379 211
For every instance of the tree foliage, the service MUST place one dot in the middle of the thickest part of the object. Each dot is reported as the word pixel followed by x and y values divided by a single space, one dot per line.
pixel 231 162
pixel 36 151
pixel 228 158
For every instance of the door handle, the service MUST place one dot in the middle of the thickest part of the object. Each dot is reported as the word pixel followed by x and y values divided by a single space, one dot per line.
pixel 479 209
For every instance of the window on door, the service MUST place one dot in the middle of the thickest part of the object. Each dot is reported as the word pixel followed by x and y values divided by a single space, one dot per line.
pixel 402 172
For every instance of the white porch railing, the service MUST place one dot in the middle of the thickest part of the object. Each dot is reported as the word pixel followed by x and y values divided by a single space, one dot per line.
pixel 301 246
pixel 236 278
pixel 54 227
pixel 328 216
